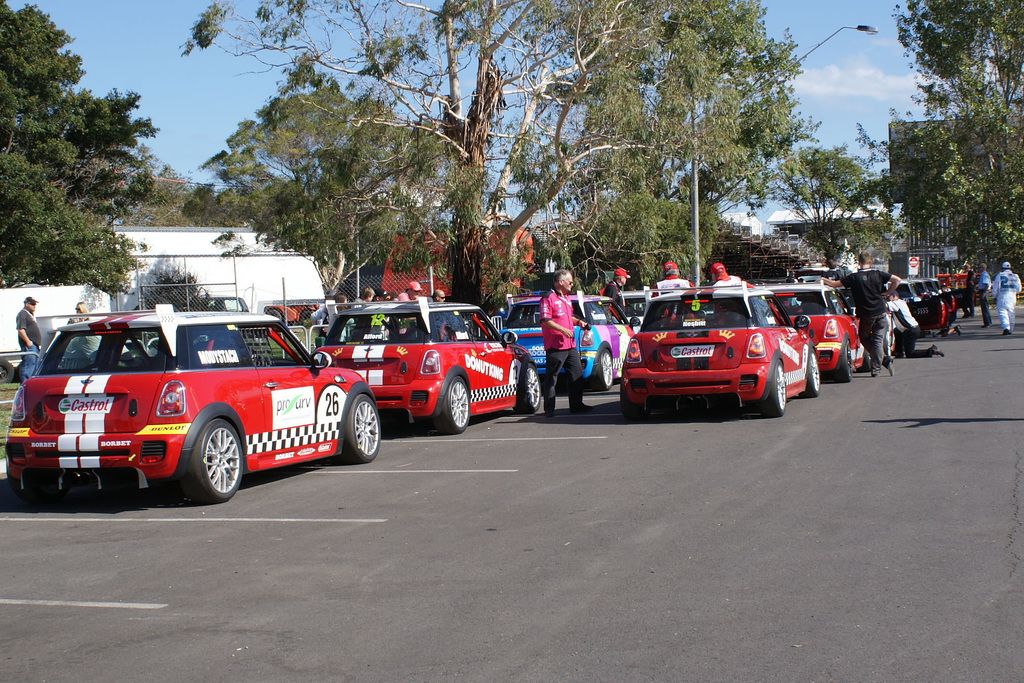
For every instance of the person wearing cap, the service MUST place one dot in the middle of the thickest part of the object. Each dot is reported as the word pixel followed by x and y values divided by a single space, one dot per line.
pixel 983 287
pixel 720 278
pixel 613 290
pixel 413 290
pixel 670 278
pixel 1005 287
pixel 870 288
pixel 438 295
pixel 29 338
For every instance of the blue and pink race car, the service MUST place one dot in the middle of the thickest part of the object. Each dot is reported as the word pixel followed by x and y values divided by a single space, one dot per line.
pixel 602 347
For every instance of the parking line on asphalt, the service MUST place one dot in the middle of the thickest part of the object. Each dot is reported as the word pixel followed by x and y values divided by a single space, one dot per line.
pixel 283 520
pixel 83 603
pixel 518 438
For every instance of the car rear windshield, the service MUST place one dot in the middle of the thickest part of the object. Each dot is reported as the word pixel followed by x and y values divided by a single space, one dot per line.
pixel 696 312
pixel 528 315
pixel 803 303
pixel 377 328
pixel 108 351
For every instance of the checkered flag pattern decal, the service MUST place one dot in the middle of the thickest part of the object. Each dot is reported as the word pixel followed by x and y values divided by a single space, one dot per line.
pixel 492 393
pixel 293 437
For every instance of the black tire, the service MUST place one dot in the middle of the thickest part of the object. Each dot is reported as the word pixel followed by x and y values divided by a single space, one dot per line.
pixel 843 371
pixel 42 494
pixel 6 372
pixel 601 375
pixel 812 375
pixel 528 392
pixel 633 412
pixel 215 469
pixel 454 415
pixel 774 403
pixel 362 432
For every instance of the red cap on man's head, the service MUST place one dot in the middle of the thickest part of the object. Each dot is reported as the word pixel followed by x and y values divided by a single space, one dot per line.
pixel 718 270
pixel 621 272
pixel 414 286
pixel 670 266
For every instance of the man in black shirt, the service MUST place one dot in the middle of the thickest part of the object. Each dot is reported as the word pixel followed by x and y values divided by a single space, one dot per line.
pixel 613 290
pixel 869 289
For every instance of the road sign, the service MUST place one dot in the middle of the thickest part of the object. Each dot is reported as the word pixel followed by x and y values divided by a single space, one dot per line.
pixel 912 263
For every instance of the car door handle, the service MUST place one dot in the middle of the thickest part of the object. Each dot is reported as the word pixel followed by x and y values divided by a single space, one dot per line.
pixel 270 385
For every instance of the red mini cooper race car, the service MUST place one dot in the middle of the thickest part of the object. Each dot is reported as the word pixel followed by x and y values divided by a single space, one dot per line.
pixel 437 361
pixel 833 327
pixel 726 342
pixel 197 397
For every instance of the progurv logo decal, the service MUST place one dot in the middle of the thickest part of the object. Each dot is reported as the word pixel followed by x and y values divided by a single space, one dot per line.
pixel 293 407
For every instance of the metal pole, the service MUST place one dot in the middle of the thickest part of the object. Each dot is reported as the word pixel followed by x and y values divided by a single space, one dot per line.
pixel 695 221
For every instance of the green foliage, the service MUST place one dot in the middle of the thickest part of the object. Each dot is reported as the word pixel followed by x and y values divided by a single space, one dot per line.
pixel 963 168
pixel 68 169
pixel 835 196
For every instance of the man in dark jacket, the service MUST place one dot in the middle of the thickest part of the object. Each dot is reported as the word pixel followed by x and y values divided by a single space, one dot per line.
pixel 869 288
pixel 613 290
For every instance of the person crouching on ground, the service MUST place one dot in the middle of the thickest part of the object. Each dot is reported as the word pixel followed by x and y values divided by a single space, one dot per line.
pixel 907 331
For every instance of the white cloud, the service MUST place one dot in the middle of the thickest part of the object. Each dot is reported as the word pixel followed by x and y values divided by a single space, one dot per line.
pixel 859 80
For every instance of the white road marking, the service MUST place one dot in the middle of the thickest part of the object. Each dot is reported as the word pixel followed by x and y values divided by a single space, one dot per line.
pixel 81 603
pixel 287 520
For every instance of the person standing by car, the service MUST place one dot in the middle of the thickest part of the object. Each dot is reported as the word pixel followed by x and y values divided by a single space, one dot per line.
pixel 413 291
pixel 1005 287
pixel 720 278
pixel 869 287
pixel 29 338
pixel 970 282
pixel 984 285
pixel 557 323
pixel 613 290
pixel 907 331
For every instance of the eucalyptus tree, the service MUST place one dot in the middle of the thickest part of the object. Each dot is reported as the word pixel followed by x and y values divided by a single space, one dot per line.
pixel 498 85
pixel 963 167
pixel 836 197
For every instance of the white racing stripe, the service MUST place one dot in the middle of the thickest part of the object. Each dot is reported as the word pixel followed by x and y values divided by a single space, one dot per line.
pixel 83 603
pixel 73 519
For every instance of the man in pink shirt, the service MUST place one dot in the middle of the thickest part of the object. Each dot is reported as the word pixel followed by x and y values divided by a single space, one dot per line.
pixel 557 323
pixel 412 291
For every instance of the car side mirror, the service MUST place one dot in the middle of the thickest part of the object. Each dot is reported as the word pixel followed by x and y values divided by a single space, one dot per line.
pixel 801 322
pixel 322 359
pixel 509 337
pixel 634 321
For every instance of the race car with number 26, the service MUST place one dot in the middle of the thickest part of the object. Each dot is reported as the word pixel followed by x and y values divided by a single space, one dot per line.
pixel 201 398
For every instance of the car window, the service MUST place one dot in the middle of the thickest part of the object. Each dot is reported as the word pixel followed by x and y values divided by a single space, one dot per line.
pixel 523 315
pixel 695 312
pixel 635 306
pixel 448 326
pixel 599 313
pixel 271 347
pixel 837 304
pixel 377 328
pixel 763 314
pixel 802 303
pixel 779 312
pixel 108 351
pixel 216 346
pixel 480 328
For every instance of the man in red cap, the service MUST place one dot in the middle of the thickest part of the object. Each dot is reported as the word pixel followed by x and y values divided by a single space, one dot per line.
pixel 720 278
pixel 613 290
pixel 670 278
pixel 412 291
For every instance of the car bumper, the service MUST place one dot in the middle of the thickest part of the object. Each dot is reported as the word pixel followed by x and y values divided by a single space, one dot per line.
pixel 747 382
pixel 828 355
pixel 152 454
pixel 418 400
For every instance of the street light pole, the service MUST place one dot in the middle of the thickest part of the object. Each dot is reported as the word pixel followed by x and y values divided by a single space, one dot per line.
pixel 694 207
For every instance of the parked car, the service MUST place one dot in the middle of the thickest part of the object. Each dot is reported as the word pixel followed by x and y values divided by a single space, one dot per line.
pixel 201 398
pixel 438 361
pixel 735 344
pixel 602 346
pixel 833 328
pixel 636 306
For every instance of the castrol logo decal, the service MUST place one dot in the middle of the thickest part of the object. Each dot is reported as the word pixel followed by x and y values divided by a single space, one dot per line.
pixel 80 405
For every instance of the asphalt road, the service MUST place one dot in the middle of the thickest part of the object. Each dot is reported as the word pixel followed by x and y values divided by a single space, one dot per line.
pixel 871 534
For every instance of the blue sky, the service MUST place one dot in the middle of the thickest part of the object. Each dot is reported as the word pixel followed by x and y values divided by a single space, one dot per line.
pixel 198 101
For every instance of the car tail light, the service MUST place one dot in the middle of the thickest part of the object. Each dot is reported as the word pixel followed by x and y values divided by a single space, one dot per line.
pixel 587 338
pixel 831 329
pixel 172 400
pixel 755 347
pixel 18 409
pixel 633 352
pixel 431 363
